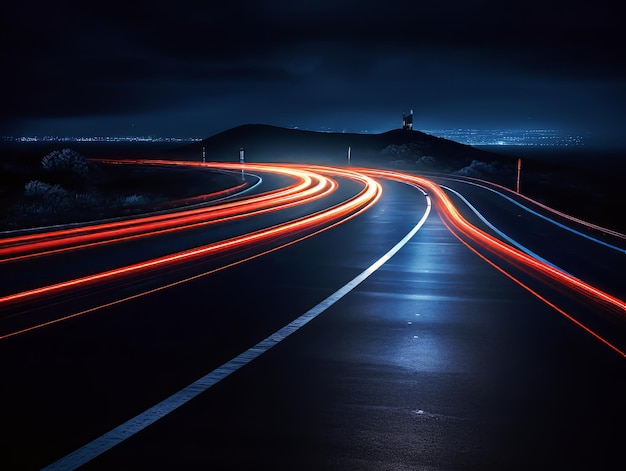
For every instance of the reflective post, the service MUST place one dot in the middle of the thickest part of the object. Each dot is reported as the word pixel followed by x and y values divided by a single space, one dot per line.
pixel 241 161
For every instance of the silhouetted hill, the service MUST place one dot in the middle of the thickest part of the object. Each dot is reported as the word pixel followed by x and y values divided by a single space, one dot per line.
pixel 265 143
pixel 569 189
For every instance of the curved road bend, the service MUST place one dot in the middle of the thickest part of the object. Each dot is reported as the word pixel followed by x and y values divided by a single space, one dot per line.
pixel 436 361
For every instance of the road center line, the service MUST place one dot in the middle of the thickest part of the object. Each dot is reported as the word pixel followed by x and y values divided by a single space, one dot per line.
pixel 129 428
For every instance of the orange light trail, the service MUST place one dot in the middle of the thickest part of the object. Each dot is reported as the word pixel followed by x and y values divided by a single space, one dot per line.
pixel 370 193
pixel 311 183
pixel 455 222
pixel 542 298
pixel 304 190
pixel 195 277
pixel 569 217
pixel 496 246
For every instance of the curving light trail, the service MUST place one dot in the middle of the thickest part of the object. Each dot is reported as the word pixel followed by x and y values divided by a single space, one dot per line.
pixel 510 240
pixel 308 187
pixel 451 214
pixel 311 183
pixel 504 191
pixel 300 228
pixel 463 230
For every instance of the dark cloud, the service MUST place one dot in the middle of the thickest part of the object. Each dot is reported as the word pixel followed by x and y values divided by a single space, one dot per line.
pixel 311 63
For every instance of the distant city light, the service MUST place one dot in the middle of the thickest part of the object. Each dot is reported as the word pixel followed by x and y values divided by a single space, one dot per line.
pixel 508 137
pixel 99 139
pixel 473 137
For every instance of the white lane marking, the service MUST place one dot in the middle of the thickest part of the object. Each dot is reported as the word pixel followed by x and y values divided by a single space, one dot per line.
pixel 120 433
pixel 502 234
pixel 556 223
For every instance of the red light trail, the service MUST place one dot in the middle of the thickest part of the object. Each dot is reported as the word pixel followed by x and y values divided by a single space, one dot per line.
pixel 53 241
pixel 304 192
pixel 462 229
pixel 452 216
pixel 547 208
pixel 310 183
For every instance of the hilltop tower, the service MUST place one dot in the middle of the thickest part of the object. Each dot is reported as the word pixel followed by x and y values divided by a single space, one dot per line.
pixel 407 121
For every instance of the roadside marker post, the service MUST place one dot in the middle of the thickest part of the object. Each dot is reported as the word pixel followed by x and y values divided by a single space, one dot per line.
pixel 241 161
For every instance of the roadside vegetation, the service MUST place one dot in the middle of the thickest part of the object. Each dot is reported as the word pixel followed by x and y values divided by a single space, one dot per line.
pixel 591 197
pixel 66 187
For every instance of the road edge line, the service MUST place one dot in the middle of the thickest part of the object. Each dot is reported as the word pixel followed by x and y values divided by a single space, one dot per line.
pixel 133 426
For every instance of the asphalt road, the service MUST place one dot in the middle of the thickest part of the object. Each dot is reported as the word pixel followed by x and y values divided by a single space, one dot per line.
pixel 436 361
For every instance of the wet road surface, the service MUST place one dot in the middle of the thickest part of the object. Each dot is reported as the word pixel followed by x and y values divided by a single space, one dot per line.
pixel 435 361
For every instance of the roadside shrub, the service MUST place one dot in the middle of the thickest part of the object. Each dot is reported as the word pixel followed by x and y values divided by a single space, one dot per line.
pixel 67 168
pixel 65 161
pixel 134 200
pixel 409 151
pixel 426 162
pixel 481 169
pixel 39 189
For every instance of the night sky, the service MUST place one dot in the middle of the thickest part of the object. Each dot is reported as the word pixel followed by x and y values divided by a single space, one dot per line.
pixel 182 69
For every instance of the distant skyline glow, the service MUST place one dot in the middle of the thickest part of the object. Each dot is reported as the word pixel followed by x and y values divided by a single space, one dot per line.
pixel 353 66
pixel 476 137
